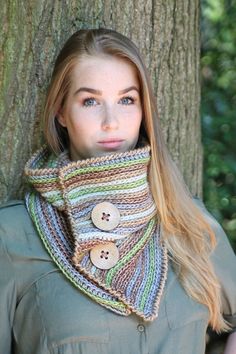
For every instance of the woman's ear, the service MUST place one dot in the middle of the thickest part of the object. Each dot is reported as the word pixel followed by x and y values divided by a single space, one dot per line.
pixel 61 119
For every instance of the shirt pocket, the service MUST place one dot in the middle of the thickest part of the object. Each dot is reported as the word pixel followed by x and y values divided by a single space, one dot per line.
pixel 181 310
pixel 80 347
pixel 63 318
pixel 68 314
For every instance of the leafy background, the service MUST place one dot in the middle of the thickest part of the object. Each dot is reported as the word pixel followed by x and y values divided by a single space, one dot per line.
pixel 218 111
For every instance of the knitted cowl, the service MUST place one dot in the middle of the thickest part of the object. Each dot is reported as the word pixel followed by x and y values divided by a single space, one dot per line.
pixel 61 202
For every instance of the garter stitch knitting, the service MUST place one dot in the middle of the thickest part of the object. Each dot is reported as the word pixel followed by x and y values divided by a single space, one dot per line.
pixel 60 206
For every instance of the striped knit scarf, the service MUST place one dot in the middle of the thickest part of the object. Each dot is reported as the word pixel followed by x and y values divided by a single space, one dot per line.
pixel 63 197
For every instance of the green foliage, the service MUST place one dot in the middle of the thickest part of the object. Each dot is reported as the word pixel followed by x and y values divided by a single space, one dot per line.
pixel 218 65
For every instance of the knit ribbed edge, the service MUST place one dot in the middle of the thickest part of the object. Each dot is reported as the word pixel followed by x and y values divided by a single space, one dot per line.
pixel 43 153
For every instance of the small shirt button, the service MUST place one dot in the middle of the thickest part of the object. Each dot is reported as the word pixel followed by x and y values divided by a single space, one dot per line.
pixel 140 328
pixel 105 216
pixel 104 256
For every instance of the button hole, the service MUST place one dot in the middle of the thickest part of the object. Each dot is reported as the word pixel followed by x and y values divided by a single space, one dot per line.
pixel 105 216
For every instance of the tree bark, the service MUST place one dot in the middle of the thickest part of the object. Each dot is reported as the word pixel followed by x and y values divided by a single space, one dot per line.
pixel 32 33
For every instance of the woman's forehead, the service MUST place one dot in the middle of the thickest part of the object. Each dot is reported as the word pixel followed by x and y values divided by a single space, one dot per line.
pixel 104 71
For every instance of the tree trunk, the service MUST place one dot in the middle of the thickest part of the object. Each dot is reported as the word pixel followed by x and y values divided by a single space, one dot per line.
pixel 32 33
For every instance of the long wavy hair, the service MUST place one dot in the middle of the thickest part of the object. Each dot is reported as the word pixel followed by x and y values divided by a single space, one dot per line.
pixel 186 233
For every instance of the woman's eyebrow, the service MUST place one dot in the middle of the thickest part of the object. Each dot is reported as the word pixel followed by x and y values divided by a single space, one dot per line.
pixel 88 89
pixel 98 92
pixel 130 88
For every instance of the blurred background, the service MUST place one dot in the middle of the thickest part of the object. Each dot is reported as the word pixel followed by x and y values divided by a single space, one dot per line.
pixel 218 111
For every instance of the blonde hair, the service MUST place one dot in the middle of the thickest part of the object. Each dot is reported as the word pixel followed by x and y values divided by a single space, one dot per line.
pixel 187 234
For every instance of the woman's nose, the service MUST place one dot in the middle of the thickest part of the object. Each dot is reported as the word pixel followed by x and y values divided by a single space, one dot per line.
pixel 110 121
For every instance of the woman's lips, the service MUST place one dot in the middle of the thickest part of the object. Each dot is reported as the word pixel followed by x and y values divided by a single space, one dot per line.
pixel 111 143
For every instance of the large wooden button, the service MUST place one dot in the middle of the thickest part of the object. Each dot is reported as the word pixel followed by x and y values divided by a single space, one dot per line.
pixel 105 216
pixel 104 256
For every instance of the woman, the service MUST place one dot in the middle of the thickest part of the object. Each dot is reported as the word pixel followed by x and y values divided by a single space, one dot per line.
pixel 111 254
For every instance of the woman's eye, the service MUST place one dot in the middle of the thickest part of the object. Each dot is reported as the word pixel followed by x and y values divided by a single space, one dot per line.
pixel 127 100
pixel 88 102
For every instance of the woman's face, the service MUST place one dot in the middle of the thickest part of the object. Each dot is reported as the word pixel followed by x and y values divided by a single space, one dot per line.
pixel 103 110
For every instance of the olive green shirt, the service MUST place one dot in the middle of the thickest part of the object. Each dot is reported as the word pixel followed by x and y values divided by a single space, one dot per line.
pixel 42 312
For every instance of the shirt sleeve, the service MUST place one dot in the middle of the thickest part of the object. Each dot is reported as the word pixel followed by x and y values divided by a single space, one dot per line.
pixel 7 296
pixel 224 262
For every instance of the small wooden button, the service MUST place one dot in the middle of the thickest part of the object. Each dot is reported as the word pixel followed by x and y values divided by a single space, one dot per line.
pixel 105 216
pixel 104 256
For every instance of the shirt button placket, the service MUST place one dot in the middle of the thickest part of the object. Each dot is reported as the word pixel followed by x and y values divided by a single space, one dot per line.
pixel 141 328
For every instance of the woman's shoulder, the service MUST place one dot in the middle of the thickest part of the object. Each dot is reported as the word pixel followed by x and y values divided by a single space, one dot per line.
pixel 18 235
pixel 14 218
pixel 215 225
pixel 12 208
pixel 20 244
pixel 12 205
